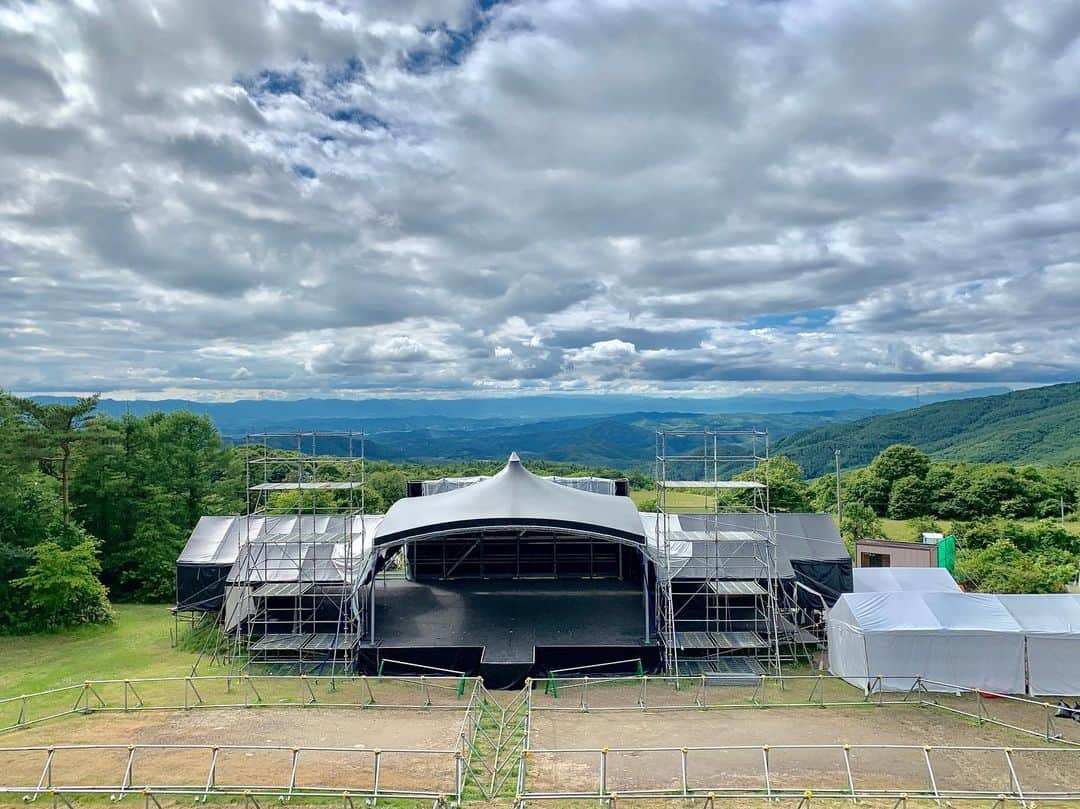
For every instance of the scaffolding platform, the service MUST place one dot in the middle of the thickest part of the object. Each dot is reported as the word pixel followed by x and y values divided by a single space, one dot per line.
pixel 739 640
pixel 718 595
pixel 330 642
pixel 281 642
pixel 736 588
pixel 729 671
pixel 719 640
pixel 282 588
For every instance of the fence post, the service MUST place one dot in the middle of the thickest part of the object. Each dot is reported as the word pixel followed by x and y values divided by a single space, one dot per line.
pixel 292 774
pixel 375 785
pixel 211 775
pixel 683 752
pixel 850 777
pixel 603 771
pixel 765 767
pixel 585 694
pixel 22 711
pixel 930 773
pixel 459 774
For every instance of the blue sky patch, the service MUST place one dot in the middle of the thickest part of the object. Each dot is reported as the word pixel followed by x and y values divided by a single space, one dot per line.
pixel 359 117
pixel 345 73
pixel 808 319
pixel 273 82
pixel 304 170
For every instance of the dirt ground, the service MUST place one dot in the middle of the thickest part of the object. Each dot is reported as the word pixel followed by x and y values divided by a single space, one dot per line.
pixel 361 730
pixel 1050 770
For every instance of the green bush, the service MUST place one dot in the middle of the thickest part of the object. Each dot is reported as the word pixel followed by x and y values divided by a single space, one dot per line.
pixel 62 588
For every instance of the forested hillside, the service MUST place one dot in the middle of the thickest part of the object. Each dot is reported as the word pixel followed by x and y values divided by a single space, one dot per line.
pixel 1039 425
pixel 96 508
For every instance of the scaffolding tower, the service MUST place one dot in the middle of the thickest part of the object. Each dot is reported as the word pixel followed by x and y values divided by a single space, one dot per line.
pixel 288 598
pixel 717 589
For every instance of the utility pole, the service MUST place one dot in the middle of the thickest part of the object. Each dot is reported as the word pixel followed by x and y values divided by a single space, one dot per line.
pixel 839 502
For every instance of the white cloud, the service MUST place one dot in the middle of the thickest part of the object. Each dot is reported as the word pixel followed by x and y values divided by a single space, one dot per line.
pixel 308 198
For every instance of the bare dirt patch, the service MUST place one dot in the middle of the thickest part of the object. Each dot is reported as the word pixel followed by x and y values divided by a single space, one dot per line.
pixel 881 768
pixel 362 731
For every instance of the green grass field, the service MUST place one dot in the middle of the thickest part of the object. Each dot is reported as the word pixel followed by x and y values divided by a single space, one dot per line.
pixel 136 644
pixel 676 500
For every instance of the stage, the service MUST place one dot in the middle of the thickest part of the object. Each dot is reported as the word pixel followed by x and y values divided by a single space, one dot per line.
pixel 507 629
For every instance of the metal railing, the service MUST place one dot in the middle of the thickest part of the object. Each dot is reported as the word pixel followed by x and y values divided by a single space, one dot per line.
pixel 361 772
pixel 236 691
pixel 733 692
pixel 771 781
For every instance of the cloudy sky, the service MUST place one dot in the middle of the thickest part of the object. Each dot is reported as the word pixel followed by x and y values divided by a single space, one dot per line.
pixel 310 197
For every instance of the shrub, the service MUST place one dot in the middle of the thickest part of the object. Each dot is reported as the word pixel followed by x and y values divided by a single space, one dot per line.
pixel 62 586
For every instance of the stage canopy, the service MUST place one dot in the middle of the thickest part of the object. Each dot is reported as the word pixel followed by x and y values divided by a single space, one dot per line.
pixel 899 579
pixel 951 639
pixel 513 498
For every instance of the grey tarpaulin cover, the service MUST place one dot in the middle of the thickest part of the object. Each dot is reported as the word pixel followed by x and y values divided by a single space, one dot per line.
pixel 894 579
pixel 513 497
pixel 802 537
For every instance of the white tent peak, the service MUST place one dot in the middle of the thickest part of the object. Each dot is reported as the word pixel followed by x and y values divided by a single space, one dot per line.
pixel 513 497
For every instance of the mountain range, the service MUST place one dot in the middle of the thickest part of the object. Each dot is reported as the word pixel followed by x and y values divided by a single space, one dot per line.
pixel 1037 425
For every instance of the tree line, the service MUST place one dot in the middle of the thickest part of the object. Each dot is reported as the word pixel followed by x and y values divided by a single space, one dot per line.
pixel 94 507
pixel 1006 520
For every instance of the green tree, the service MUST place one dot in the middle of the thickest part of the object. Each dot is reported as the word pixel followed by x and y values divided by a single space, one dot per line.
pixel 61 586
pixel 142 485
pixel 863 486
pixel 49 434
pixel 788 492
pixel 900 461
pixel 908 498
pixel 860 522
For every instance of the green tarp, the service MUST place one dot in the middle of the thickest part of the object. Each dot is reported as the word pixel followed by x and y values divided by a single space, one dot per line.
pixel 946 553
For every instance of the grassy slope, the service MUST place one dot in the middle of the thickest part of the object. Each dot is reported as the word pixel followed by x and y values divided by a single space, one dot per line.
pixel 135 645
pixel 1040 425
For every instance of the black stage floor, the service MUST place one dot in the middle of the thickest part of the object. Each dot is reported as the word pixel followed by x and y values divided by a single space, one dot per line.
pixel 508 619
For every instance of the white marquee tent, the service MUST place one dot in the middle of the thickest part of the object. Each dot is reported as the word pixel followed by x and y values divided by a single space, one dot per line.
pixel 1011 644
pixel 1051 625
pixel 951 639
pixel 894 579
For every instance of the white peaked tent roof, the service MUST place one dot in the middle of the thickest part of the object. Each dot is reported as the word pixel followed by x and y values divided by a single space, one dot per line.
pixel 897 579
pixel 513 497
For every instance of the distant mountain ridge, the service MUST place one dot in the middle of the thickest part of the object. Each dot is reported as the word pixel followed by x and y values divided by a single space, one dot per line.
pixel 1038 425
pixel 624 441
pixel 256 415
